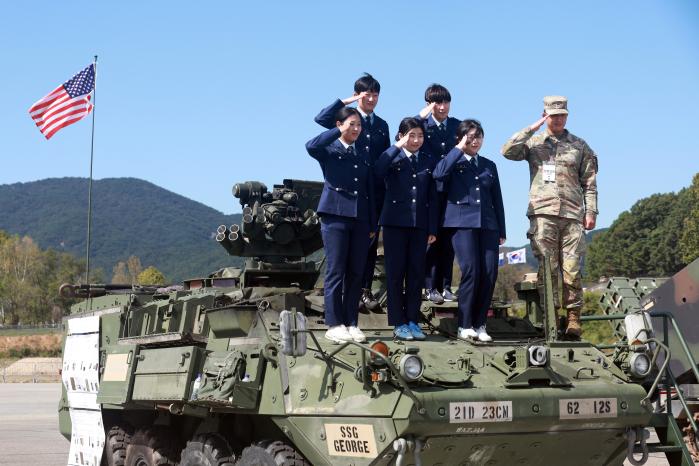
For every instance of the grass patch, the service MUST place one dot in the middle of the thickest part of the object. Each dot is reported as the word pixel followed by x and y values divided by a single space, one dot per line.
pixel 14 332
pixel 25 346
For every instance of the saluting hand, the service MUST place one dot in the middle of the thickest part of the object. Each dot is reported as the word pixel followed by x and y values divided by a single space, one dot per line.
pixel 345 126
pixel 463 143
pixel 427 110
pixel 403 140
pixel 353 98
pixel 539 123
pixel 431 239
pixel 502 241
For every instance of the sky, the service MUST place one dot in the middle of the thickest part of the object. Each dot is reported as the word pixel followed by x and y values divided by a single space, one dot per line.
pixel 196 96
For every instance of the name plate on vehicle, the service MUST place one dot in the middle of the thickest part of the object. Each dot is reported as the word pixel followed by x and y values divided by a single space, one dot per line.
pixel 584 408
pixel 480 411
pixel 356 440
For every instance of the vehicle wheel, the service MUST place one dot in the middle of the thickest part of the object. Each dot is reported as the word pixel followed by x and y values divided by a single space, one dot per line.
pixel 207 450
pixel 285 455
pixel 115 443
pixel 271 454
pixel 151 447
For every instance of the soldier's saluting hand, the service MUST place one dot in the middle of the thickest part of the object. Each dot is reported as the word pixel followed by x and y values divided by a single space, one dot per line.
pixel 562 200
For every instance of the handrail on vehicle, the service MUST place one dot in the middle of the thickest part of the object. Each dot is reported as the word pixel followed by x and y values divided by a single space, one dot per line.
pixel 666 372
pixel 365 348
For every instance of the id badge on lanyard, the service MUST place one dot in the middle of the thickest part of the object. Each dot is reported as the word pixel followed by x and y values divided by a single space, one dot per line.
pixel 549 171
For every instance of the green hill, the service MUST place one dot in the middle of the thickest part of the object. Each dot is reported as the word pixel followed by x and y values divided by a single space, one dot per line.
pixel 130 217
pixel 656 237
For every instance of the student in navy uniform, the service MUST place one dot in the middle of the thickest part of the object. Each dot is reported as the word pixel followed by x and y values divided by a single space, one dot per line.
pixel 374 139
pixel 475 213
pixel 348 220
pixel 440 138
pixel 409 221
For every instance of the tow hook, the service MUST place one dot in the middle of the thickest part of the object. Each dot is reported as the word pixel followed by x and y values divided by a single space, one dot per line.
pixel 403 446
pixel 633 435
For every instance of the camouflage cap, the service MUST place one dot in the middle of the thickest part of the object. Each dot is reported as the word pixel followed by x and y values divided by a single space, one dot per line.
pixel 555 105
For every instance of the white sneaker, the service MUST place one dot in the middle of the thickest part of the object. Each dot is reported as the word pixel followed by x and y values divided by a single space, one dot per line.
pixel 338 334
pixel 466 333
pixel 356 334
pixel 482 335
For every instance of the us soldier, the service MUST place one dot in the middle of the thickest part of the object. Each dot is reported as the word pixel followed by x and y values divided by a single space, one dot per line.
pixel 562 200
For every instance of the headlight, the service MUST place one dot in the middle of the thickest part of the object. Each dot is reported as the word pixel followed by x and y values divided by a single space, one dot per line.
pixel 639 365
pixel 410 367
pixel 538 355
pixel 379 347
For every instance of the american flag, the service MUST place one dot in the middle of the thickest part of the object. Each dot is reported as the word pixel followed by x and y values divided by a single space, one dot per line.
pixel 66 104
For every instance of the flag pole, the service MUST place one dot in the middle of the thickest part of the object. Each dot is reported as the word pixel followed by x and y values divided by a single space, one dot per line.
pixel 89 189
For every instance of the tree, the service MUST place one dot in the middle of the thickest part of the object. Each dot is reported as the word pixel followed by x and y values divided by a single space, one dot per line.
pixel 120 275
pixel 21 267
pixel 126 273
pixel 60 268
pixel 151 276
pixel 597 332
pixel 508 276
pixel 30 278
pixel 133 264
pixel 689 239
pixel 642 241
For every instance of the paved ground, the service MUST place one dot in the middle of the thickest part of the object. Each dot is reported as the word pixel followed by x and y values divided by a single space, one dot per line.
pixel 29 425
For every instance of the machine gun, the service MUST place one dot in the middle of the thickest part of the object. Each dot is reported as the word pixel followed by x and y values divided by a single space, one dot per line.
pixel 277 231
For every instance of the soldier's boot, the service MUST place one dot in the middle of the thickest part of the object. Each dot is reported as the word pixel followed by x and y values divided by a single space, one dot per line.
pixel 573 329
pixel 369 301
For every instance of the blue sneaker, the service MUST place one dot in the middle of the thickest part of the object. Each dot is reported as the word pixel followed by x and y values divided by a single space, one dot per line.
pixel 416 331
pixel 402 332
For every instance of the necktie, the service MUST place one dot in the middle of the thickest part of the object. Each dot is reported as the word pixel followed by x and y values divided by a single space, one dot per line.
pixel 350 151
pixel 367 120
pixel 473 163
pixel 441 127
pixel 413 162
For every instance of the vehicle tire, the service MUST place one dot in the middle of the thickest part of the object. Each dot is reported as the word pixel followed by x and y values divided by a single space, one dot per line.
pixel 207 450
pixel 151 447
pixel 285 455
pixel 117 439
pixel 271 454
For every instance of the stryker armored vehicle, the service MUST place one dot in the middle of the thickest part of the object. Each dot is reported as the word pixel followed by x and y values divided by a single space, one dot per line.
pixel 233 369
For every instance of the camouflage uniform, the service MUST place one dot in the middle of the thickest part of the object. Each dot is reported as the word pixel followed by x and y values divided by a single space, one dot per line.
pixel 558 207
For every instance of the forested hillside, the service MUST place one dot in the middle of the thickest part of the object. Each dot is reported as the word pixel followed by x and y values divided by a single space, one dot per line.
pixel 656 237
pixel 131 217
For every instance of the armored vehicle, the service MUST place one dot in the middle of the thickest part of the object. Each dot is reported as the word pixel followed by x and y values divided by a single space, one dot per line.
pixel 232 368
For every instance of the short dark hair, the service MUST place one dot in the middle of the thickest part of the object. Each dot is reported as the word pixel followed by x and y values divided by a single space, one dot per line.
pixel 437 93
pixel 346 112
pixel 406 124
pixel 367 83
pixel 466 126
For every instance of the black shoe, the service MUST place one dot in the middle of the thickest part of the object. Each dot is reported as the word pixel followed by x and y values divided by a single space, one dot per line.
pixel 435 297
pixel 369 301
pixel 448 295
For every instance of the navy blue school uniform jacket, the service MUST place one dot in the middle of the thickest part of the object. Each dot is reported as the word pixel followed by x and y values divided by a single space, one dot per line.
pixel 439 142
pixel 411 195
pixel 474 199
pixel 373 140
pixel 348 189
